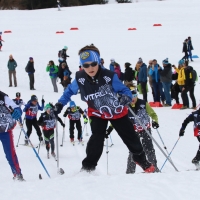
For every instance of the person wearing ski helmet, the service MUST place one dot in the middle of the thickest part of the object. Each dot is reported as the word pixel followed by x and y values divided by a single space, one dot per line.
pixel 18 100
pixel 47 121
pixel 193 117
pixel 74 114
pixel 31 110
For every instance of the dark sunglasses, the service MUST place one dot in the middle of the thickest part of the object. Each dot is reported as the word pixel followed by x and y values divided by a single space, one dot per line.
pixel 93 64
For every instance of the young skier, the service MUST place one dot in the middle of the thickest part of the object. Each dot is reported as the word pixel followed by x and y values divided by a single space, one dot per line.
pixel 19 102
pixel 142 110
pixel 31 110
pixel 193 117
pixel 74 114
pixel 7 124
pixel 1 40
pixel 99 88
pixel 48 122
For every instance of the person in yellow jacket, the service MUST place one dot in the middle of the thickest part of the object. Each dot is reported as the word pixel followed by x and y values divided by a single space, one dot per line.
pixel 184 79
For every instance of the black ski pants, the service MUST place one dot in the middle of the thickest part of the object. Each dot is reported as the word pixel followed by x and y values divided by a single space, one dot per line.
pixel 125 129
pixel 144 90
pixel 148 149
pixel 72 123
pixel 192 97
pixel 32 81
pixel 49 138
pixel 29 124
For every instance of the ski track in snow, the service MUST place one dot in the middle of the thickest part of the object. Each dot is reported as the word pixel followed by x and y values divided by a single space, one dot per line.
pixel 33 35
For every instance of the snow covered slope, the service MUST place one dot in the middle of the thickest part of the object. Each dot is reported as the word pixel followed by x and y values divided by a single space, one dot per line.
pixel 106 26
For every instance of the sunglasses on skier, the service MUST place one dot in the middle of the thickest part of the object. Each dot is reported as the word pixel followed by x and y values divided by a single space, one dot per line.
pixel 93 64
pixel 134 95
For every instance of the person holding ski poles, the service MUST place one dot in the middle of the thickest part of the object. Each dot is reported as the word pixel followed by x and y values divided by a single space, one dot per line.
pixel 74 114
pixel 143 110
pixel 31 110
pixel 9 113
pixel 193 117
pixel 99 87
pixel 48 122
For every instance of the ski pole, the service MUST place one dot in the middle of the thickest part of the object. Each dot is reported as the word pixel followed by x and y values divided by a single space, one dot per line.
pixel 59 170
pixel 152 138
pixel 107 153
pixel 164 144
pixel 169 154
pixel 86 131
pixel 35 151
pixel 20 133
pixel 63 135
pixel 111 141
pixel 81 137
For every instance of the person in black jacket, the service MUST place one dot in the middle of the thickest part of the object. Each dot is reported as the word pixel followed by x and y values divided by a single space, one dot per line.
pixel 129 73
pixel 185 50
pixel 31 70
pixel 48 122
pixel 193 117
pixel 62 54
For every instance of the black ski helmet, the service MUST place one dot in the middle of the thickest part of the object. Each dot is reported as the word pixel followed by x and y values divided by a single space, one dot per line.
pixel 18 94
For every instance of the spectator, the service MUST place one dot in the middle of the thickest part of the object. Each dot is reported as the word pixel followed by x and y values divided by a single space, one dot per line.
pixel 175 90
pixel 102 63
pixel 157 85
pixel 150 79
pixel 166 79
pixel 12 64
pixel 190 48
pixel 1 40
pixel 31 70
pixel 191 82
pixel 66 75
pixel 142 77
pixel 53 73
pixel 129 74
pixel 117 69
pixel 62 54
pixel 185 50
pixel 112 60
pixel 183 83
pixel 60 71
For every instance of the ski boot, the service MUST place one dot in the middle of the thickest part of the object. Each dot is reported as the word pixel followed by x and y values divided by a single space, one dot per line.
pixel 26 142
pixel 53 154
pixel 47 154
pixel 87 169
pixel 72 141
pixel 196 159
pixel 18 177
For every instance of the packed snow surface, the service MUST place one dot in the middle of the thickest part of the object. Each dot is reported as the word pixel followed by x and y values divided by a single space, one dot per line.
pixel 106 26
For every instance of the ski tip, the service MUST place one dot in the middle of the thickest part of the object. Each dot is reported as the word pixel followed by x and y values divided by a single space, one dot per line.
pixel 40 176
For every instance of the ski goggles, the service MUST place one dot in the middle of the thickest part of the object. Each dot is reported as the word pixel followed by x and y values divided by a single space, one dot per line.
pixel 93 64
pixel 134 95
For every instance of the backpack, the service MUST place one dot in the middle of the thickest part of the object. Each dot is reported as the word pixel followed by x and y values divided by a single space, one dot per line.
pixel 26 68
pixel 194 76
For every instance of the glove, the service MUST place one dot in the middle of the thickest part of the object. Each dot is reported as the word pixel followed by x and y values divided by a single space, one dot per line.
pixel 108 131
pixel 125 100
pixel 43 101
pixel 65 114
pixel 17 113
pixel 181 132
pixel 155 125
pixel 57 109
pixel 85 120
